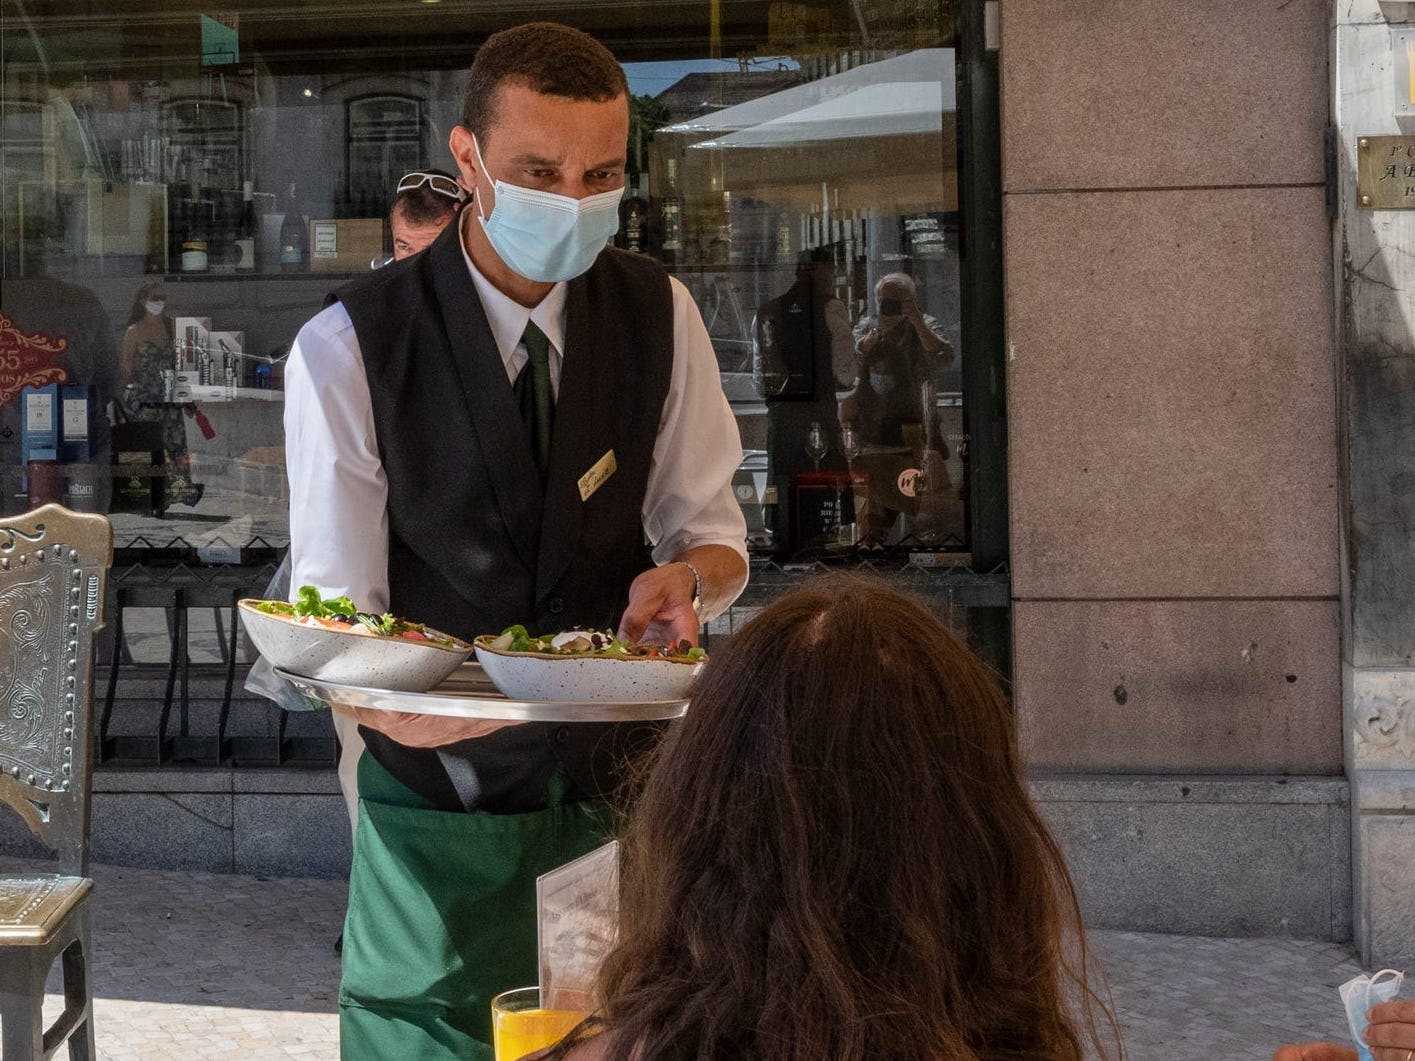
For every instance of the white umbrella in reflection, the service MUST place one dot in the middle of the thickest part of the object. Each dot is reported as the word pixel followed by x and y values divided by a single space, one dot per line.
pixel 896 108
pixel 925 65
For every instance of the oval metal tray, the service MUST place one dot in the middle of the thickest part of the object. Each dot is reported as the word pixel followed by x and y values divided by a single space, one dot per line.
pixel 469 693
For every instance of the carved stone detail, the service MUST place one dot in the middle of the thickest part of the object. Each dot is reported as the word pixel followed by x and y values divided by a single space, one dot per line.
pixel 1383 719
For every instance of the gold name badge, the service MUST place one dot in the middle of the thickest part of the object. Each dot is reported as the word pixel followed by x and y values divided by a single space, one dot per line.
pixel 593 479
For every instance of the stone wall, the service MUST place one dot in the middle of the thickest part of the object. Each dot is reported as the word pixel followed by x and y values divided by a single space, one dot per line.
pixel 1173 460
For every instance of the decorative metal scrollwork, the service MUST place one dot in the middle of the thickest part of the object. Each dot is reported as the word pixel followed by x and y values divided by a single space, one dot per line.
pixel 31 665
pixel 9 537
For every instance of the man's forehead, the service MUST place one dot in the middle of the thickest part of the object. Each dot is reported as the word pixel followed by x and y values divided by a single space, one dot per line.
pixel 401 221
pixel 526 102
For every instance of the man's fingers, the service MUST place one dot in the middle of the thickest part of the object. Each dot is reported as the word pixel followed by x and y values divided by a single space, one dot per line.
pixel 1315 1052
pixel 1399 1009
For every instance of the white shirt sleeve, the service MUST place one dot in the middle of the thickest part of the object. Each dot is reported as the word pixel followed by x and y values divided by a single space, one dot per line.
pixel 338 491
pixel 689 500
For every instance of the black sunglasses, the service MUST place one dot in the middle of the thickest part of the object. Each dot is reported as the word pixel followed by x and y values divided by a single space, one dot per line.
pixel 436 181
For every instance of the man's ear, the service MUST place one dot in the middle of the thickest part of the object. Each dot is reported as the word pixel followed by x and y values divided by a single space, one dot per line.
pixel 459 142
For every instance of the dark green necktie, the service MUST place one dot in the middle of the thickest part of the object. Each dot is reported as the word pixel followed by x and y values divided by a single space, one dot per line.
pixel 534 395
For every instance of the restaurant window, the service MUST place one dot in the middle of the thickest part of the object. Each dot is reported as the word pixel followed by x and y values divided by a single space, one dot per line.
pixel 385 140
pixel 795 165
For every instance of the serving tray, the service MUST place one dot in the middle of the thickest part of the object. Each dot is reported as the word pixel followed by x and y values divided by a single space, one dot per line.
pixel 469 693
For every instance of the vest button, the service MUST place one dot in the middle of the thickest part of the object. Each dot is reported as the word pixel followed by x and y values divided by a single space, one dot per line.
pixel 555 605
pixel 562 734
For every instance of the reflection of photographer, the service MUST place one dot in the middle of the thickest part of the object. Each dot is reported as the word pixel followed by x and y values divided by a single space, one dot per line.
pixel 892 406
pixel 896 350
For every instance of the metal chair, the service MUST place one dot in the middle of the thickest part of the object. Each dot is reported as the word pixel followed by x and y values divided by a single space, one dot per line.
pixel 53 569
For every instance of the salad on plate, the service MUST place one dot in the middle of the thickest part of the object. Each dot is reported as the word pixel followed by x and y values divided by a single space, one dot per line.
pixel 340 613
pixel 587 643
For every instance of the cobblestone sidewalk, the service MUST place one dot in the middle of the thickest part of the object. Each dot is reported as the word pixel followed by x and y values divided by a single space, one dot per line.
pixel 198 965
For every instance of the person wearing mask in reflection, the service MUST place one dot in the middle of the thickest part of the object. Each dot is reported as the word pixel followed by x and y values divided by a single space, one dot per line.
pixel 426 201
pixel 897 350
pixel 148 349
pixel 518 425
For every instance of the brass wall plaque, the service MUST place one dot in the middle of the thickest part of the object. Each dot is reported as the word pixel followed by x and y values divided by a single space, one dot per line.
pixel 1385 172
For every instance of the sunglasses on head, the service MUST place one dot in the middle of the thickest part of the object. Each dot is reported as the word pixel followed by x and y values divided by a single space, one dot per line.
pixel 436 181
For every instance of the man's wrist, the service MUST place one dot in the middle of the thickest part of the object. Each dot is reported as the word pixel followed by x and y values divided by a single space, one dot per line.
pixel 697 584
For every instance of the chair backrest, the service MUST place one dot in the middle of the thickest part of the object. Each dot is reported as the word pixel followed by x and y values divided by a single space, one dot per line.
pixel 53 572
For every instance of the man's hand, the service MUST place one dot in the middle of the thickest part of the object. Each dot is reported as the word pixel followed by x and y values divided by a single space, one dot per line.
pixel 1316 1052
pixel 420 731
pixel 660 609
pixel 1391 1033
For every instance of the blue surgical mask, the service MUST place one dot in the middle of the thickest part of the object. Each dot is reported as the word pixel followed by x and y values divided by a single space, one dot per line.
pixel 1360 994
pixel 547 237
pixel 881 382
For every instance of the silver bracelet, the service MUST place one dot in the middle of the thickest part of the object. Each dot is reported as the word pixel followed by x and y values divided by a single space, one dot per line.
pixel 697 585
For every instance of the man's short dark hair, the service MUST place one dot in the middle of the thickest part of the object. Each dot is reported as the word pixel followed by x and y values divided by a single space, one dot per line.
pixel 422 205
pixel 545 57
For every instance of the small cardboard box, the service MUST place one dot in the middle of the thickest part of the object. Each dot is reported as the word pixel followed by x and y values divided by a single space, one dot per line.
pixel 348 245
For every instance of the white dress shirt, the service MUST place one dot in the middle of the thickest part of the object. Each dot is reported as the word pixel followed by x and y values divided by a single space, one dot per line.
pixel 339 493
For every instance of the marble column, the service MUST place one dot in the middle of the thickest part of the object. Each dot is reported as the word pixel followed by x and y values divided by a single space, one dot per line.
pixel 1375 288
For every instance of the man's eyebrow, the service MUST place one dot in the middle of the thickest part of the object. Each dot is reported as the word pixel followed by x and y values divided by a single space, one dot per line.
pixel 554 163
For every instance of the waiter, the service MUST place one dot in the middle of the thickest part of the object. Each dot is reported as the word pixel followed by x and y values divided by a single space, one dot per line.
pixel 517 426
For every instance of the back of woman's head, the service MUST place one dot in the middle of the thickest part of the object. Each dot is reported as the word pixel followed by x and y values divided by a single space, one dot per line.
pixel 834 855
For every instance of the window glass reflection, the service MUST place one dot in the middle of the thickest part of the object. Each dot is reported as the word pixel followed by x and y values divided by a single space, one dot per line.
pixel 785 160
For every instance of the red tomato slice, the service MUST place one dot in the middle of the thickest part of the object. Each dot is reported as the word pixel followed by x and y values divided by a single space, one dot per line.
pixel 331 624
pixel 413 635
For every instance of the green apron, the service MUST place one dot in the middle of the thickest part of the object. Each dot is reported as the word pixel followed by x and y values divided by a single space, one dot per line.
pixel 442 917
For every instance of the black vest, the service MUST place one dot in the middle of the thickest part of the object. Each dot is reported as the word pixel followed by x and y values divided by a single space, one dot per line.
pixel 473 543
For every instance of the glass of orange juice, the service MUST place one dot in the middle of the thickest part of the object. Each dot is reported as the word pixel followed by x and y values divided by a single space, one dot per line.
pixel 519 1026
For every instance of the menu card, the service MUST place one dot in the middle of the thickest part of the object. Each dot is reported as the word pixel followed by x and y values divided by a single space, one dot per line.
pixel 577 915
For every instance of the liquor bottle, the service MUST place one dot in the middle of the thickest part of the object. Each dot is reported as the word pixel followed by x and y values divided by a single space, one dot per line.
pixel 294 237
pixel 670 216
pixel 246 230
pixel 633 216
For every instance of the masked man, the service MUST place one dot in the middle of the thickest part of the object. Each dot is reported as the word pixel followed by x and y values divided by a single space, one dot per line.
pixel 442 415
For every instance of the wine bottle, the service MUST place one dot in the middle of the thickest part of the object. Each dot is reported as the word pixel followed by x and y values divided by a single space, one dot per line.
pixel 294 237
pixel 246 230
pixel 670 215
pixel 633 216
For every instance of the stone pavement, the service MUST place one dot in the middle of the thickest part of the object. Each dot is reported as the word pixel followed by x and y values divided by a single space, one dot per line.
pixel 200 965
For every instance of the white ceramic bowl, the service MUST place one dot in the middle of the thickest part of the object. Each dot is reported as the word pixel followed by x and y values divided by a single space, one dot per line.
pixel 349 658
pixel 587 679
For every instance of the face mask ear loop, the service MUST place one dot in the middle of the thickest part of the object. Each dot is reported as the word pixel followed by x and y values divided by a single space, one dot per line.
pixel 481 166
pixel 1396 974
